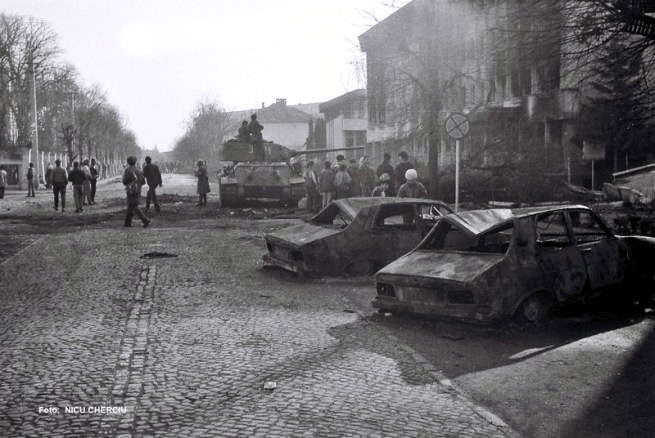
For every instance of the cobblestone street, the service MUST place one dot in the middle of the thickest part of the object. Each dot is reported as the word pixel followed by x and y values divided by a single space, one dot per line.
pixel 186 345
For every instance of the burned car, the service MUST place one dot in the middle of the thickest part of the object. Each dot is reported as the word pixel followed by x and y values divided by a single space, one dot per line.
pixel 353 236
pixel 492 264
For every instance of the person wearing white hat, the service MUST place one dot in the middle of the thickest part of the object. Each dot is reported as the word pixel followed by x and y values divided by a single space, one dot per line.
pixel 412 188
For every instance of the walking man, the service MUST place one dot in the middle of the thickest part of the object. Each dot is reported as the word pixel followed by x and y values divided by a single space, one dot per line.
pixel 77 177
pixel 59 180
pixel 87 183
pixel 153 177
pixel 3 181
pixel 30 181
pixel 133 180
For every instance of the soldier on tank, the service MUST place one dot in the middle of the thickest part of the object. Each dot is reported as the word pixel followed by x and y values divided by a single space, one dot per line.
pixel 255 129
pixel 244 134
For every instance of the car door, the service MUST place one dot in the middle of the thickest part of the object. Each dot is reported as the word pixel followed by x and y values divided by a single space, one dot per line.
pixel 601 251
pixel 560 261
pixel 395 228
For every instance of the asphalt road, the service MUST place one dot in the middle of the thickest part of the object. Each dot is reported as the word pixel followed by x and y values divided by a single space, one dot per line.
pixel 188 342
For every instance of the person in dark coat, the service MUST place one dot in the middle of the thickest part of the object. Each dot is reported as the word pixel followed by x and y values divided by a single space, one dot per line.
pixel 353 171
pixel 203 183
pixel 30 181
pixel 387 168
pixel 77 177
pixel 342 182
pixel 367 177
pixel 402 168
pixel 255 129
pixel 326 184
pixel 59 180
pixel 244 134
pixel 133 180
pixel 95 173
pixel 153 178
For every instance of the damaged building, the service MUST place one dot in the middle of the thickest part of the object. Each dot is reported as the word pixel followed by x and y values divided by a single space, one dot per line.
pixel 515 69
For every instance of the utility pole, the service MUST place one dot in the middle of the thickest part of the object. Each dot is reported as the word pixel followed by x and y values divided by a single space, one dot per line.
pixel 36 130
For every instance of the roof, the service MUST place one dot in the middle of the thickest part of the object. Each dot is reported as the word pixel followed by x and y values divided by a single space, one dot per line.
pixel 480 221
pixel 353 205
pixel 343 99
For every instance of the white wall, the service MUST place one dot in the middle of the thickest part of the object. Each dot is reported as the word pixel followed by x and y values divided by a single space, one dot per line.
pixel 291 135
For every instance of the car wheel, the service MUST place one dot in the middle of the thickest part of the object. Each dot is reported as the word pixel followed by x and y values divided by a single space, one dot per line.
pixel 361 268
pixel 535 308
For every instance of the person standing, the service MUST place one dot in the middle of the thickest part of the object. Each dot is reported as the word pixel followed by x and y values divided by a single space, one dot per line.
pixel 48 176
pixel 87 182
pixel 255 130
pixel 387 168
pixel 353 172
pixel 203 183
pixel 311 188
pixel 412 188
pixel 381 189
pixel 59 180
pixel 95 173
pixel 326 184
pixel 153 178
pixel 3 181
pixel 402 168
pixel 367 176
pixel 77 177
pixel 30 181
pixel 342 182
pixel 133 180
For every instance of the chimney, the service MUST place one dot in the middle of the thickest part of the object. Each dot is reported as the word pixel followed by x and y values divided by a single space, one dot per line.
pixel 262 104
pixel 281 102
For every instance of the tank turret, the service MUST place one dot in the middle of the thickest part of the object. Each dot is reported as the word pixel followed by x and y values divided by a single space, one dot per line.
pixel 235 150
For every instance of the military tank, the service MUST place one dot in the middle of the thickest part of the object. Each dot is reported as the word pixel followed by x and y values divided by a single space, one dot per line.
pixel 263 177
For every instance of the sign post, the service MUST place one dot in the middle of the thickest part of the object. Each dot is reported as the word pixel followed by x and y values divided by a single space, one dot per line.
pixel 593 151
pixel 457 127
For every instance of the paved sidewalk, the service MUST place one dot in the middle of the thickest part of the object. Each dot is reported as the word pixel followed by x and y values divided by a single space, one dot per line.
pixel 184 346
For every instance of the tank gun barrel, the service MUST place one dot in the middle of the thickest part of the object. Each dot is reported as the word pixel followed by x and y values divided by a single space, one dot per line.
pixel 318 151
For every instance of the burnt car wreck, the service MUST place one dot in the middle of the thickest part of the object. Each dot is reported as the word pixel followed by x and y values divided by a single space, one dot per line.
pixel 499 263
pixel 353 236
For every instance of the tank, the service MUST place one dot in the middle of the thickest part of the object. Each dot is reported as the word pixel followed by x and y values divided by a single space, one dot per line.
pixel 275 179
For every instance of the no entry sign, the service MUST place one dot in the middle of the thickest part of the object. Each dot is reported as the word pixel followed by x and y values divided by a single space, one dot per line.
pixel 457 125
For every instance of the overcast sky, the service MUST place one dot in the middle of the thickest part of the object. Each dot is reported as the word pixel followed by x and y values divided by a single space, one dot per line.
pixel 156 59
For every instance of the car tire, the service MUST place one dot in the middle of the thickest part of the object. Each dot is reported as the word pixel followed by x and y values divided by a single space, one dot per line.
pixel 536 308
pixel 361 268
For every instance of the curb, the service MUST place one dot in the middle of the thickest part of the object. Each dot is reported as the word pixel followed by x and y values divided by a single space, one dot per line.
pixel 439 377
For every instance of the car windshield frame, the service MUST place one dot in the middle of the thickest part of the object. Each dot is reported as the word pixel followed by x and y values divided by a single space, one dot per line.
pixel 430 241
pixel 328 217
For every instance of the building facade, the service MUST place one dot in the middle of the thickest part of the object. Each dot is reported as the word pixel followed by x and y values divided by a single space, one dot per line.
pixel 498 63
pixel 346 122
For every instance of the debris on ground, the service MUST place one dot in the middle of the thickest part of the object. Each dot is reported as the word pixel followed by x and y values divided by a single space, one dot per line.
pixel 270 385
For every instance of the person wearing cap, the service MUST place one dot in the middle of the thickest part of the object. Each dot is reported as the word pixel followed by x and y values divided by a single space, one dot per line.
pixel 412 188
pixel 402 167
pixel 59 179
pixel 387 168
pixel 133 178
pixel 381 188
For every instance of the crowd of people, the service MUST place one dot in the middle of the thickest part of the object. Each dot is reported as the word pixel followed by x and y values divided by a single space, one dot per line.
pixel 356 179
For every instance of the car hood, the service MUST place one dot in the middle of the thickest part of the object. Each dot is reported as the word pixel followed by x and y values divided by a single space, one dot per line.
pixel 301 234
pixel 452 266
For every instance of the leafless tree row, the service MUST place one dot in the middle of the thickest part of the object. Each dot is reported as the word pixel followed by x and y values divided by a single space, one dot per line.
pixel 72 118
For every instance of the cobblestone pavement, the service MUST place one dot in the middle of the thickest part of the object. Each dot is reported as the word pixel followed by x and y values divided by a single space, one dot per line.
pixel 184 346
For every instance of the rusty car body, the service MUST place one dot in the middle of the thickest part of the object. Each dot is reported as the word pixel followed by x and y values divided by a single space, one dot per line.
pixel 492 264
pixel 353 236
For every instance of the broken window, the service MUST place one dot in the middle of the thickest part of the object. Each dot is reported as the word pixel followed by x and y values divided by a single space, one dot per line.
pixel 449 237
pixel 552 231
pixel 401 216
pixel 587 228
pixel 333 215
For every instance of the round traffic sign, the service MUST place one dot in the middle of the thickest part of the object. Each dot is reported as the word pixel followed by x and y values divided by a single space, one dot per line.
pixel 457 125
